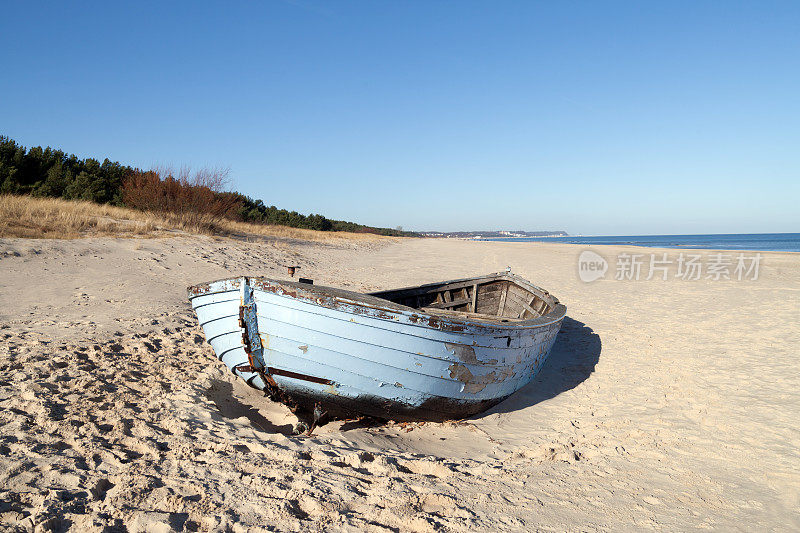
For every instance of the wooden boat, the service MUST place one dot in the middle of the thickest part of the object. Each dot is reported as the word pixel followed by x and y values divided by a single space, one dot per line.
pixel 439 351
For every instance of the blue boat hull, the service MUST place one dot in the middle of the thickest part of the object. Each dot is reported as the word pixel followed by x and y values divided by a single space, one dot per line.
pixel 349 354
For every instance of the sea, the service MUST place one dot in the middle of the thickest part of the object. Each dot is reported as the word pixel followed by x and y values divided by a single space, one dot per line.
pixel 766 242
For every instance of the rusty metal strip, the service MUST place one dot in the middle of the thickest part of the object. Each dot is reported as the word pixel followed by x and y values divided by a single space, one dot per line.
pixel 295 375
pixel 248 321
pixel 244 367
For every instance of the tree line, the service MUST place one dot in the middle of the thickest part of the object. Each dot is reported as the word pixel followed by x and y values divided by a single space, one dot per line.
pixel 48 172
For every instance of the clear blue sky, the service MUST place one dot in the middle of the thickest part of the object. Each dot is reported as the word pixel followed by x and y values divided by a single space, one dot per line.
pixel 592 117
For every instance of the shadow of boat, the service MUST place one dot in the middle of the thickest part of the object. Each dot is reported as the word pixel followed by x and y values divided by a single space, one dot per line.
pixel 572 360
pixel 228 406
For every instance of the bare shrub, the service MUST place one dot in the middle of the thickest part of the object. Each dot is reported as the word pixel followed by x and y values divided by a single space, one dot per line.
pixel 198 198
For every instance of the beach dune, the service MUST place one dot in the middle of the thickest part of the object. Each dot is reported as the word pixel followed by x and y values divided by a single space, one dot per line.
pixel 665 404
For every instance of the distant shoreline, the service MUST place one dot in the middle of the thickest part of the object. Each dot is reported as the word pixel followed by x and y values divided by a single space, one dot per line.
pixel 497 234
pixel 734 242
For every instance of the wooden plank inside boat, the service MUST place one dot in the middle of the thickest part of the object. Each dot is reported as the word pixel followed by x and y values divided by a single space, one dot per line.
pixel 483 297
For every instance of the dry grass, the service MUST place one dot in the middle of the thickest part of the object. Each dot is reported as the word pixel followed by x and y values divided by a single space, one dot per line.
pixel 53 218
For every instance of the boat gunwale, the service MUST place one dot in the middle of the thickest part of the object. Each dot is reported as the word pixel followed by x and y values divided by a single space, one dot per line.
pixel 321 295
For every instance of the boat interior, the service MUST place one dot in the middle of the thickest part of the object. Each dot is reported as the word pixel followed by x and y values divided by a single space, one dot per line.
pixel 499 297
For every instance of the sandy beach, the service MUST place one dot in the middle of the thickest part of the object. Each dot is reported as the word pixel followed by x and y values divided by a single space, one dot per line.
pixel 666 405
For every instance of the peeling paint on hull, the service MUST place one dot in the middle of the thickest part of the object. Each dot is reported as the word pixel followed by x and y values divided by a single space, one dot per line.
pixel 353 353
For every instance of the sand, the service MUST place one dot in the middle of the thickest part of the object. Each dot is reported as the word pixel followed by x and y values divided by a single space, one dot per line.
pixel 667 405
